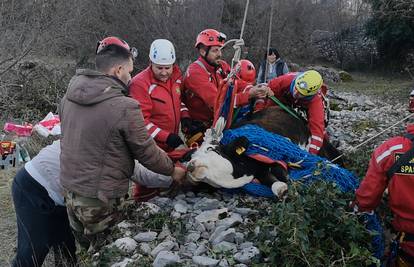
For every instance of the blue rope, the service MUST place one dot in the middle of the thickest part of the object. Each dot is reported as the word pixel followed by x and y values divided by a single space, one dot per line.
pixel 225 109
pixel 373 223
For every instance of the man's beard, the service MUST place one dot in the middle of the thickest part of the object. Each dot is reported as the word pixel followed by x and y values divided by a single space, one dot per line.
pixel 214 64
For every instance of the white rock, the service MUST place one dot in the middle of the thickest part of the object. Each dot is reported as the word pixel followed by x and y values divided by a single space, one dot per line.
pixel 217 232
pixel 181 206
pixel 123 263
pixel 233 220
pixel 205 261
pixel 164 246
pixel 192 237
pixel 227 235
pixel 146 236
pixel 247 255
pixel 165 258
pixel 210 215
pixel 239 238
pixel 124 225
pixel 145 248
pixel 126 244
pixel 164 233
pixel 245 211
pixel 207 204
pixel 200 250
pixel 225 246
pixel 175 215
pixel 223 263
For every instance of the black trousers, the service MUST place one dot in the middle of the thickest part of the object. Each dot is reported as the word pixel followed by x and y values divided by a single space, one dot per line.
pixel 41 225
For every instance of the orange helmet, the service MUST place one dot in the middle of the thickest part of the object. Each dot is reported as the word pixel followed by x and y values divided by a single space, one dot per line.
pixel 115 41
pixel 210 37
pixel 246 71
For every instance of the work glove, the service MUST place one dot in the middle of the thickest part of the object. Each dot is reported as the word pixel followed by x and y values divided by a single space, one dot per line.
pixel 185 125
pixel 173 140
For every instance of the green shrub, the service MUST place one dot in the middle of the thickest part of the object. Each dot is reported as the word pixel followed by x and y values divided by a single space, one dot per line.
pixel 312 228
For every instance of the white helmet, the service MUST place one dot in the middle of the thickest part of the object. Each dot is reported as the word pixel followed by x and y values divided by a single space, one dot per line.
pixel 162 52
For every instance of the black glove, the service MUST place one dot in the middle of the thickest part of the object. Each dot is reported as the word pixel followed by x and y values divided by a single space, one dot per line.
pixel 185 125
pixel 196 127
pixel 174 140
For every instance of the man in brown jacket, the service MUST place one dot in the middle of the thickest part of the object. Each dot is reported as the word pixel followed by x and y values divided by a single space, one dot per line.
pixel 103 131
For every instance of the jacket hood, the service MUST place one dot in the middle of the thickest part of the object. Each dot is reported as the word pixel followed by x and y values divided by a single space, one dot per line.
pixel 89 87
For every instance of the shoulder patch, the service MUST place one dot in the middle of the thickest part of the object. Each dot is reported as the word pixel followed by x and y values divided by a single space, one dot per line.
pixel 405 169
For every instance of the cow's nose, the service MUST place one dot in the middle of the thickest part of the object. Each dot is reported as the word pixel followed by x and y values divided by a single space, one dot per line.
pixel 191 166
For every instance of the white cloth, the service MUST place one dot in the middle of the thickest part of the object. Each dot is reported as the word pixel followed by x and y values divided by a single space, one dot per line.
pixel 45 169
pixel 148 178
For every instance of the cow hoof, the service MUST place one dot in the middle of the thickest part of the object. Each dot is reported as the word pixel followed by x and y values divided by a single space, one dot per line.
pixel 279 189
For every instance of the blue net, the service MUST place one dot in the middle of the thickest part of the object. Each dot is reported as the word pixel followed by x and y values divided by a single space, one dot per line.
pixel 276 147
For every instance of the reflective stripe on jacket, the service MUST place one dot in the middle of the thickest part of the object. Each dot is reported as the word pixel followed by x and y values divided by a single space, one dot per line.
pixel 160 103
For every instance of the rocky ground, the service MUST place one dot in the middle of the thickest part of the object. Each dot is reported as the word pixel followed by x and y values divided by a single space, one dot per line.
pixel 217 230
pixel 221 229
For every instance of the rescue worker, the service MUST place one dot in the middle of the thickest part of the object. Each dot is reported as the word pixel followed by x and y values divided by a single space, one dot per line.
pixel 245 94
pixel 303 90
pixel 157 89
pixel 203 78
pixel 103 131
pixel 388 168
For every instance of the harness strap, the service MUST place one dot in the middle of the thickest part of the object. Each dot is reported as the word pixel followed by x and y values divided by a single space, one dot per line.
pixel 284 107
pixel 198 62
pixel 405 237
pixel 404 159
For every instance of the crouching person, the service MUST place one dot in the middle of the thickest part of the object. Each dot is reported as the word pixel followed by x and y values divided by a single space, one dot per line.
pixel 42 221
pixel 103 131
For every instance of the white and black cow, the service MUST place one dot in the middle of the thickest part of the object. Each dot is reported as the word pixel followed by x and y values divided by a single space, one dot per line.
pixel 227 166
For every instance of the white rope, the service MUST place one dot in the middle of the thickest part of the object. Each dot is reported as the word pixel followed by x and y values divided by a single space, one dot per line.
pixel 269 37
pixel 238 43
pixel 369 139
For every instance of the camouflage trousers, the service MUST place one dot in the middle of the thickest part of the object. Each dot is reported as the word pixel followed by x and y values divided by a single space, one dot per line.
pixel 91 218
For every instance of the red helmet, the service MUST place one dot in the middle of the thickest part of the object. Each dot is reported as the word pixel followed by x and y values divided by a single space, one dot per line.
pixel 115 41
pixel 210 37
pixel 246 71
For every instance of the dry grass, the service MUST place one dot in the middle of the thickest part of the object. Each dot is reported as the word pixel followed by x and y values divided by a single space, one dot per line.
pixel 7 218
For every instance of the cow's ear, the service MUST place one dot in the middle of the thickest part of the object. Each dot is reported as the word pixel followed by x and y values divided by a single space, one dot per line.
pixel 239 145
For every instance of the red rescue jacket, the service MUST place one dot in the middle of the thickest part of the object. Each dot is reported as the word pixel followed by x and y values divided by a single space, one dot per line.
pixel 160 103
pixel 314 108
pixel 200 87
pixel 400 186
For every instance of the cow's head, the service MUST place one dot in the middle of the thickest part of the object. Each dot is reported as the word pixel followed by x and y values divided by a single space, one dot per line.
pixel 211 165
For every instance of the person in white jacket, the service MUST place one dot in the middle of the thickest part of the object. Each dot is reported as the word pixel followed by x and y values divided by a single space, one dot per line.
pixel 42 220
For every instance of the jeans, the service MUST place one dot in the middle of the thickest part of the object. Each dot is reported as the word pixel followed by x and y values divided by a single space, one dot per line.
pixel 41 225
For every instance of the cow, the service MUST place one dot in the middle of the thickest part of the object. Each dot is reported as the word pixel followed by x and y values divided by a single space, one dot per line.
pixel 226 165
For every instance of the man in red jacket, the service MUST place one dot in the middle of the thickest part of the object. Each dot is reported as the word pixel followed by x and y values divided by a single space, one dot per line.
pixel 203 78
pixel 302 90
pixel 157 89
pixel 399 179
